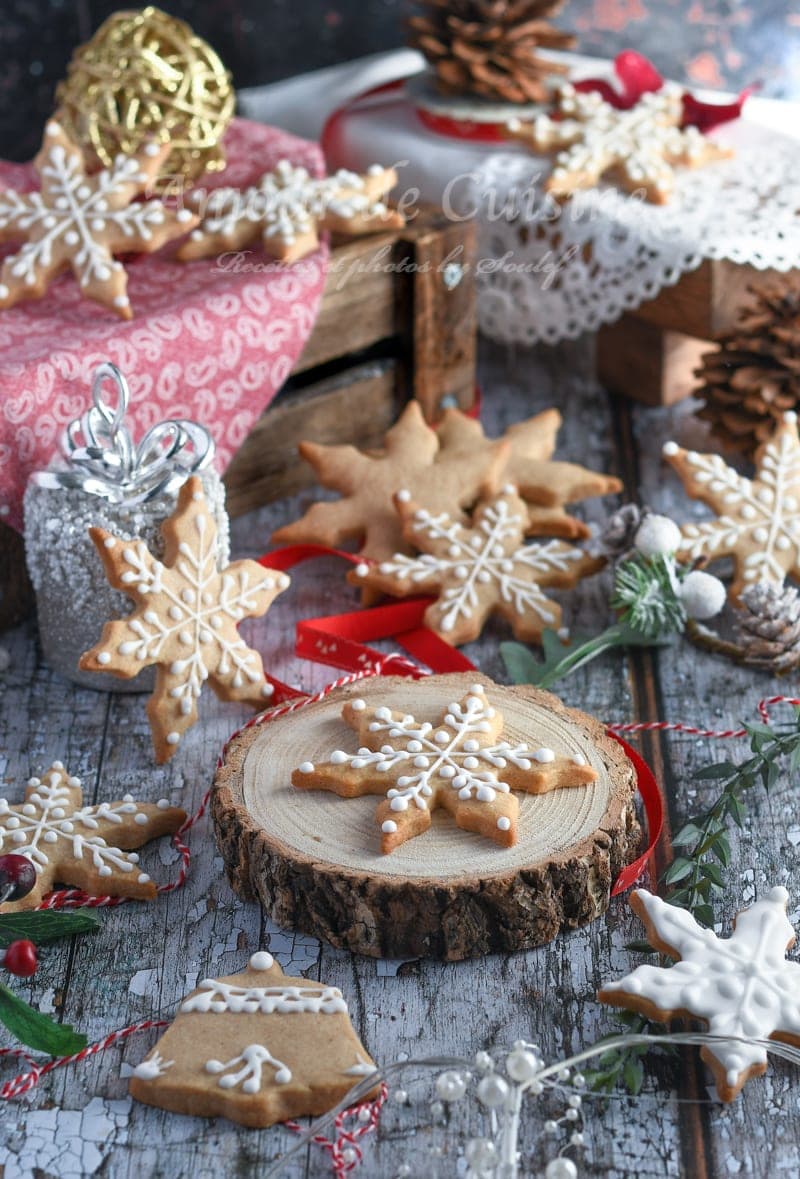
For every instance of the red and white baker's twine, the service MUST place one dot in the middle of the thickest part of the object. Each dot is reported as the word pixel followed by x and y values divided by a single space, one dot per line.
pixel 764 706
pixel 344 1150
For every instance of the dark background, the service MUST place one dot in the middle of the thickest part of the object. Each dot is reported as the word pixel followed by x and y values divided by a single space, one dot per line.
pixel 710 42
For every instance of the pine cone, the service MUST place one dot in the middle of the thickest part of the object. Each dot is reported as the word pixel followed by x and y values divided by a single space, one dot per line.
pixel 768 626
pixel 488 47
pixel 755 376
pixel 615 541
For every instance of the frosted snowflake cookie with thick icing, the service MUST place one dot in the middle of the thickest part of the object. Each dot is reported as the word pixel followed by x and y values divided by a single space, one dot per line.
pixel 186 619
pixel 288 209
pixel 256 1047
pixel 742 986
pixel 78 222
pixel 507 816
pixel 758 519
pixel 480 569
pixel 640 147
pixel 88 847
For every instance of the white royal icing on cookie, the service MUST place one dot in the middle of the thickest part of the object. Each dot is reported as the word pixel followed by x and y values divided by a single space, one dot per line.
pixel 48 827
pixel 215 995
pixel 492 553
pixel 742 985
pixel 250 1075
pixel 154 1066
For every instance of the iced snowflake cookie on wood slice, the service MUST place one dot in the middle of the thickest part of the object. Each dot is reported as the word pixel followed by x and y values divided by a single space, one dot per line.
pixel 534 849
pixel 256 1047
pixel 186 619
pixel 742 986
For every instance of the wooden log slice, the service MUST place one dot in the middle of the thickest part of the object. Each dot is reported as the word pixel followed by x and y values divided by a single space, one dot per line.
pixel 313 859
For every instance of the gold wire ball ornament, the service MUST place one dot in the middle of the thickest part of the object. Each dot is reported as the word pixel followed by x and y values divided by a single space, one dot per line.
pixel 145 75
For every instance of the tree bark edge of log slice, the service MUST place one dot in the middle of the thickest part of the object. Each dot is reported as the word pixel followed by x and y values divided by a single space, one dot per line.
pixel 370 912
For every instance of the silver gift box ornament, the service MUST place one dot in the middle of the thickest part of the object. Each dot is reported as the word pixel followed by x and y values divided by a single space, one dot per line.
pixel 108 481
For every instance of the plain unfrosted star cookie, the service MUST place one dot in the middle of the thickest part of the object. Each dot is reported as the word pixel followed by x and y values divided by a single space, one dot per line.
pixel 639 147
pixel 741 986
pixel 186 619
pixel 288 209
pixel 79 221
pixel 480 569
pixel 412 456
pixel 758 519
pixel 547 486
pixel 458 762
pixel 86 847
pixel 257 1048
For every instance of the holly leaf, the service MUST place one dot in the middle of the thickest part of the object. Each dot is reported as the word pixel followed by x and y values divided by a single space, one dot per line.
pixel 36 1030
pixel 45 925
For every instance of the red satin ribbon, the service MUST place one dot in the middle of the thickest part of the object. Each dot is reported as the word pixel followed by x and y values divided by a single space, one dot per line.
pixel 340 640
pixel 636 76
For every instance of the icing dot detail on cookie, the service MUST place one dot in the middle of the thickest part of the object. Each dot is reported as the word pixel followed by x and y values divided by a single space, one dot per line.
pixel 358 705
pixel 173 738
pixel 307 767
pixel 103 657
pixel 261 960
pixel 578 759
pixel 670 449
pixel 404 495
pixel 388 826
pixel 544 755
pixel 504 823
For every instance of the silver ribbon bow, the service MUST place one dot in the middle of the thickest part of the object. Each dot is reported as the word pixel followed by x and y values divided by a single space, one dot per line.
pixel 104 460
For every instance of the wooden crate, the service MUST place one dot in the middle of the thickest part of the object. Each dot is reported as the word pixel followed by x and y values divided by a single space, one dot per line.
pixel 397 320
pixel 650 354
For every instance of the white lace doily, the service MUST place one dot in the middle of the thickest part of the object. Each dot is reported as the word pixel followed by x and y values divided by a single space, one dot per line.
pixel 550 274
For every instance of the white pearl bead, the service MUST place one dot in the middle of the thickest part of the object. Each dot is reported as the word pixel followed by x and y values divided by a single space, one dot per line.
pixel 561 1169
pixel 492 1091
pixel 550 1127
pixel 451 1086
pixel 480 1153
pixel 522 1065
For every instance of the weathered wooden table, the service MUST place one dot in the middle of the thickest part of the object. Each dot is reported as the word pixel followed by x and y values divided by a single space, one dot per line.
pixel 80 1121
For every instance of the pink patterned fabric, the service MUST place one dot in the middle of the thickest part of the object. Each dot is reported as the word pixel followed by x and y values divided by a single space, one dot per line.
pixel 205 343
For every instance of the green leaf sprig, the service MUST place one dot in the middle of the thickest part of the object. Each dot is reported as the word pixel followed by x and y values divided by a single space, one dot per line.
pixel 32 1027
pixel 646 597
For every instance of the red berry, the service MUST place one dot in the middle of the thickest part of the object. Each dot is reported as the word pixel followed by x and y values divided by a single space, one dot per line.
pixel 17 877
pixel 20 958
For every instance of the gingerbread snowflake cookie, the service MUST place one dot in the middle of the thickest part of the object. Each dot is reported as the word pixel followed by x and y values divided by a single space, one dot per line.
pixel 458 761
pixel 412 456
pixel 288 209
pixel 545 484
pixel 86 847
pixel 479 569
pixel 758 519
pixel 741 986
pixel 640 147
pixel 186 618
pixel 78 222
pixel 256 1047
